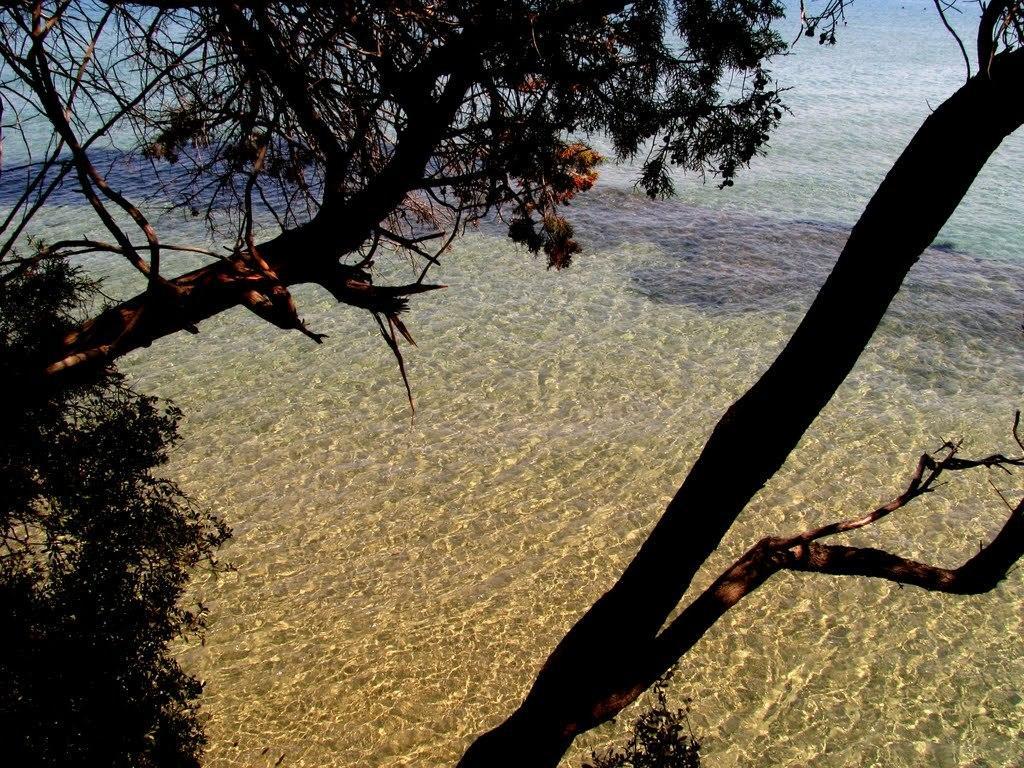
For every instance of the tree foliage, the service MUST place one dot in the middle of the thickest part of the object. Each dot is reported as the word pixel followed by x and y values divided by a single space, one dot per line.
pixel 661 737
pixel 95 553
pixel 339 131
pixel 315 137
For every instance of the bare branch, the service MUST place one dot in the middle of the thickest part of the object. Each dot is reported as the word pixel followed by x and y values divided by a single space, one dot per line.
pixel 802 552
pixel 942 15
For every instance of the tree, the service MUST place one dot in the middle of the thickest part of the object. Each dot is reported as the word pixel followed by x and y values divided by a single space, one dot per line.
pixel 661 738
pixel 585 682
pixel 95 552
pixel 356 128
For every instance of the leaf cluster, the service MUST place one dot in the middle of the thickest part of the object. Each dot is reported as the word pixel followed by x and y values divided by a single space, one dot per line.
pixel 661 738
pixel 95 553
pixel 275 111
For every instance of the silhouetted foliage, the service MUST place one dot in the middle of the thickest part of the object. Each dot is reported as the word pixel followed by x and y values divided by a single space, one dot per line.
pixel 95 553
pixel 317 137
pixel 661 738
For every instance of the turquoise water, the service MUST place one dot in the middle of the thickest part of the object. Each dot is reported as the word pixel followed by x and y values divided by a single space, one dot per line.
pixel 854 107
pixel 400 580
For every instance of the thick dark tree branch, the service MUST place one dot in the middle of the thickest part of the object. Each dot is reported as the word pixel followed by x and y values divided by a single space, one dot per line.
pixel 803 552
pixel 306 254
pixel 207 291
pixel 916 198
pixel 346 119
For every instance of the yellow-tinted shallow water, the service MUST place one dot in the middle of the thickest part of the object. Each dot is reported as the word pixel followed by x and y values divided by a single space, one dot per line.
pixel 399 581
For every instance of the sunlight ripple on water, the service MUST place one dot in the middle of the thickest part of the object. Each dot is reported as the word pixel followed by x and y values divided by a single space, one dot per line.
pixel 400 580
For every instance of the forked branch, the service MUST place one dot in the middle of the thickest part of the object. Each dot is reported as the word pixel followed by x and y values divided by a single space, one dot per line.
pixel 804 552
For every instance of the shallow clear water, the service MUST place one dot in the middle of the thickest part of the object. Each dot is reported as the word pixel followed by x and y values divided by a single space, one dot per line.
pixel 400 580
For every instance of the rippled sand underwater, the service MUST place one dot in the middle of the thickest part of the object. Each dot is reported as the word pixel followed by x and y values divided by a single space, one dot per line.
pixel 400 580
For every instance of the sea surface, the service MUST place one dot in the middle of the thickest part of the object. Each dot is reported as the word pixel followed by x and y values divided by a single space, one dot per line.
pixel 398 580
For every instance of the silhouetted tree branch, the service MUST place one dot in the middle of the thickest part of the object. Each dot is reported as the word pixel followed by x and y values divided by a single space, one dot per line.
pixel 335 130
pixel 804 552
pixel 981 573
pixel 343 127
pixel 592 671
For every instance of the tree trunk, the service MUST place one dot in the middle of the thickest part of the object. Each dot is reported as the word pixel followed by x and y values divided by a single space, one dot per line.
pixel 582 682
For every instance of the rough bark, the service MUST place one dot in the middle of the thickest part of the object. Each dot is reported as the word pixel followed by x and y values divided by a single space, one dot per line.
pixel 292 258
pixel 306 254
pixel 430 95
pixel 581 682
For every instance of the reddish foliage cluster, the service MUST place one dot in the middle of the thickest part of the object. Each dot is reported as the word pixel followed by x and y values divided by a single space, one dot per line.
pixel 578 163
pixel 573 170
